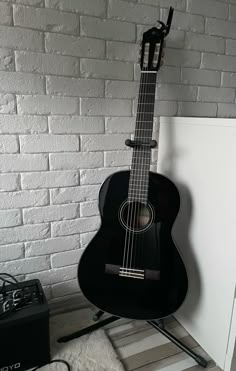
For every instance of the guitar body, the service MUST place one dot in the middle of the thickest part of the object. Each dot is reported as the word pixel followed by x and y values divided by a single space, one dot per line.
pixel 131 268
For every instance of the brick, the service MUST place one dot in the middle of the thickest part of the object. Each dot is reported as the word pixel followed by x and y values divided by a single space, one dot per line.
pixel 185 21
pixel 232 12
pixel 106 69
pixel 11 252
pixel 126 11
pixel 119 125
pixel 210 94
pixel 49 179
pixel 13 200
pixel 103 142
pixel 89 208
pixel 11 163
pixel 74 194
pixel 23 233
pixel 75 46
pixel 197 109
pixel 47 105
pixel 75 87
pixel 118 158
pixel 66 258
pixel 97 176
pixel 91 7
pixel 65 288
pixel 182 58
pixel 9 182
pixel 208 8
pixel 21 82
pixel 176 92
pixel 218 62
pixel 229 79
pixel 105 107
pixel 45 19
pixel 48 292
pixel 122 51
pixel 226 110
pixel 206 43
pixel 107 29
pixel 15 124
pixel 197 76
pixel 5 14
pixel 74 226
pixel 48 143
pixel 10 218
pixel 231 47
pixel 6 60
pixel 7 103
pixel 86 238
pixel 8 144
pixel 69 161
pixel 165 108
pixel 52 245
pixel 20 39
pixel 222 28
pixel 23 266
pixel 53 276
pixel 38 3
pixel 176 4
pixel 47 63
pixel 121 89
pixel 50 213
pixel 76 125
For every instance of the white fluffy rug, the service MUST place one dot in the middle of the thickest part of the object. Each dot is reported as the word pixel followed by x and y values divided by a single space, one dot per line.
pixel 92 352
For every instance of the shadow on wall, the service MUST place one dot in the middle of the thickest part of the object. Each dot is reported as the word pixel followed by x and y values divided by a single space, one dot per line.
pixel 181 231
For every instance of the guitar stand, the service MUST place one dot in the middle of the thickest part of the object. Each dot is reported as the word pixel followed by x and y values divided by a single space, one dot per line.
pixel 157 324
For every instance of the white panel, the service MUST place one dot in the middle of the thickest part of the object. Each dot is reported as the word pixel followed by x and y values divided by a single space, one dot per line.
pixel 199 155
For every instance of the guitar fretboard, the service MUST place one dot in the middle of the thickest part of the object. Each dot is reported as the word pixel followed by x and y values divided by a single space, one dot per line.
pixel 140 167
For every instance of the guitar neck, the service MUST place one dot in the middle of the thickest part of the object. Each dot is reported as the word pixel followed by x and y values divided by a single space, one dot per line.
pixel 140 167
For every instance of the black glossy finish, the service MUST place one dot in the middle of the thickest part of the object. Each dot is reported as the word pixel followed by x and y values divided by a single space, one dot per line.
pixel 152 249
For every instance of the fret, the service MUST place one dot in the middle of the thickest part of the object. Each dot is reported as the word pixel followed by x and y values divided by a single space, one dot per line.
pixel 148 71
pixel 142 194
pixel 147 103
pixel 146 112
pixel 144 121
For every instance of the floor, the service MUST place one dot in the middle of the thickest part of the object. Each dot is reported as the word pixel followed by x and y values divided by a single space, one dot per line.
pixel 142 348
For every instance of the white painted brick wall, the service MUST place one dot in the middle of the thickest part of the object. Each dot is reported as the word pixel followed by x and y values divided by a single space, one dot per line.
pixel 69 79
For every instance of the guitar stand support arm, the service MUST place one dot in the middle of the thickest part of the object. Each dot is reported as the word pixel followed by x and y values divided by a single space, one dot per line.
pixel 158 325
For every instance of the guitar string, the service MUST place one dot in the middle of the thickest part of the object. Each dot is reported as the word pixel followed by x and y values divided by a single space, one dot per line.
pixel 139 165
pixel 128 239
pixel 150 103
pixel 145 167
pixel 142 153
pixel 135 168
pixel 127 233
pixel 143 171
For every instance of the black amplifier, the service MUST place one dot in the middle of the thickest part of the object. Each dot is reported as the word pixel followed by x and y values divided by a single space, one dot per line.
pixel 24 329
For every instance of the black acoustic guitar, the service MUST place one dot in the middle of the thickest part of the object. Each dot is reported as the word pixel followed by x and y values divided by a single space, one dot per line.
pixel 132 268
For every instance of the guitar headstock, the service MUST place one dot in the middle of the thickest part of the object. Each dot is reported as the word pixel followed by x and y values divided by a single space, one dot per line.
pixel 153 44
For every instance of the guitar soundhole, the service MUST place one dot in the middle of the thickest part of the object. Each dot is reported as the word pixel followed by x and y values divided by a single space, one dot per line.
pixel 136 216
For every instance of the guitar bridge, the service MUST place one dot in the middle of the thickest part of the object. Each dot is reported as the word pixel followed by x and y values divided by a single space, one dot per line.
pixel 141 274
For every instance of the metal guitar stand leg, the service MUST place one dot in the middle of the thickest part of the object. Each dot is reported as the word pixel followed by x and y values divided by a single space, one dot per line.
pixel 89 329
pixel 158 325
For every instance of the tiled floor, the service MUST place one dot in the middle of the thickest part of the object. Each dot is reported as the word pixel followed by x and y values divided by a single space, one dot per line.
pixel 142 348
